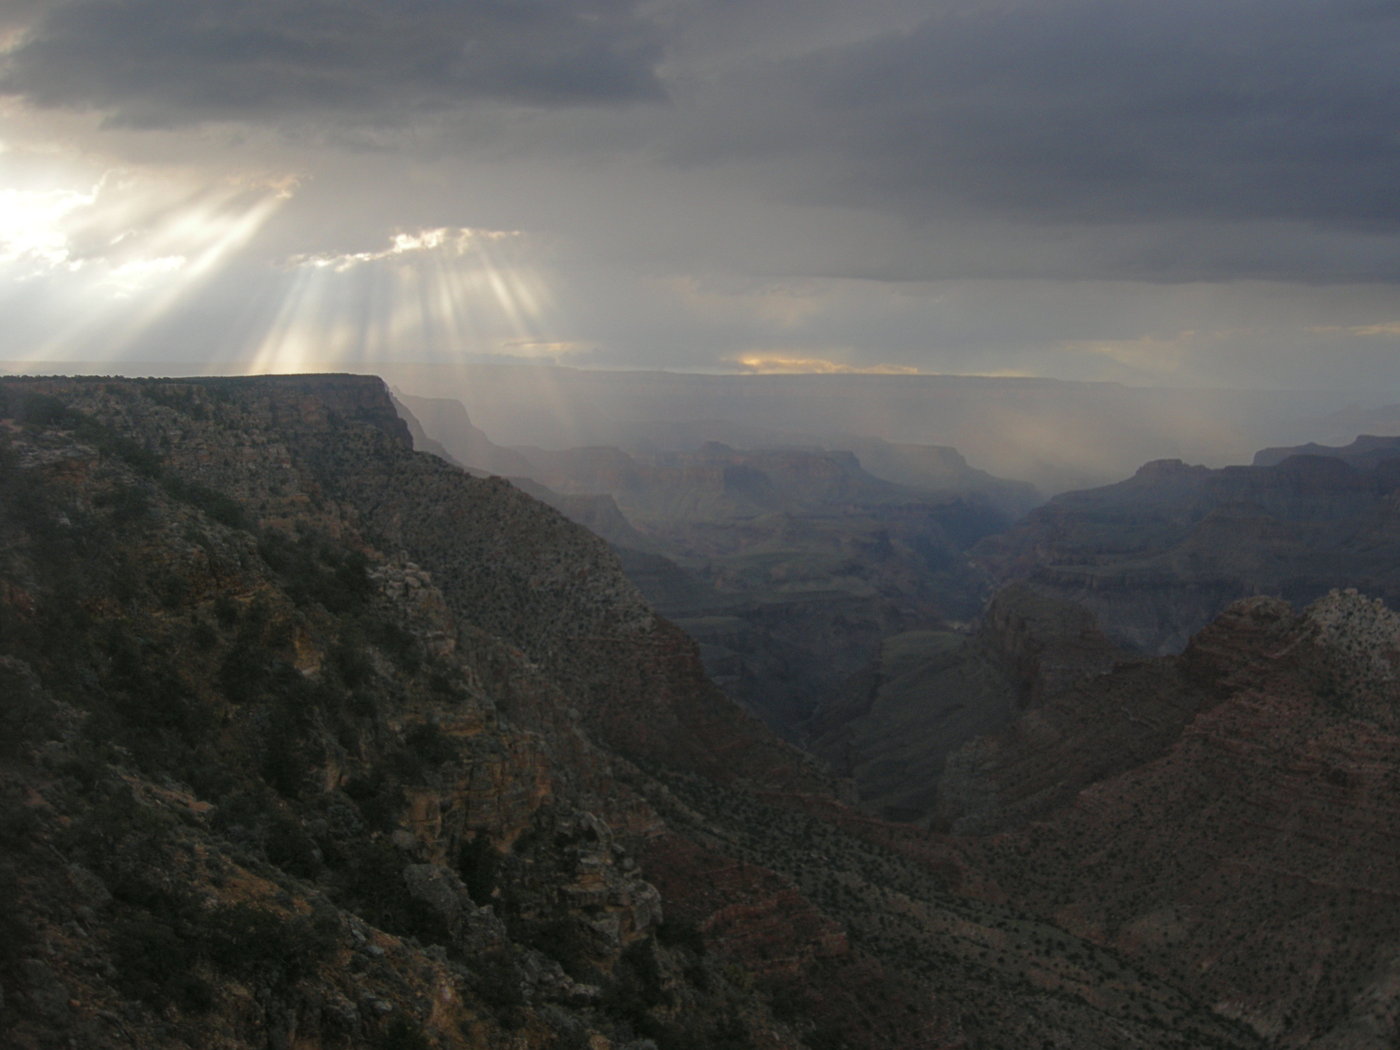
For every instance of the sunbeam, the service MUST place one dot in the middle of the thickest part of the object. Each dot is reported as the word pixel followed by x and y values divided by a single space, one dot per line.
pixel 432 295
pixel 101 266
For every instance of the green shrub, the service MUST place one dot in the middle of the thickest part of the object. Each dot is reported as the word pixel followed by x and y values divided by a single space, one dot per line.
pixel 15 933
pixel 317 570
pixel 371 882
pixel 498 979
pixel 128 504
pixel 24 714
pixel 378 798
pixel 42 410
pixel 425 746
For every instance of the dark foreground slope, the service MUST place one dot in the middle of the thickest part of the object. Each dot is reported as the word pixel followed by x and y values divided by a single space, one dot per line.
pixel 312 741
pixel 269 782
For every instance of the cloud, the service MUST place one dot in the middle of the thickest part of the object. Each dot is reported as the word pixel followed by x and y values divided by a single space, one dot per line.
pixel 1100 110
pixel 150 63
pixel 1093 138
pixel 891 141
pixel 449 242
pixel 1386 330
pixel 1058 187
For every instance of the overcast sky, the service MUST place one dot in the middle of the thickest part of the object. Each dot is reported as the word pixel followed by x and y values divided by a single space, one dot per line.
pixel 1196 192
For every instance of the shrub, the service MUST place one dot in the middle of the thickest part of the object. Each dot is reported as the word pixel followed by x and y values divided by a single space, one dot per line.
pixel 315 569
pixel 402 1034
pixel 498 978
pixel 246 941
pixel 372 883
pixel 23 711
pixel 15 934
pixel 222 508
pixel 156 964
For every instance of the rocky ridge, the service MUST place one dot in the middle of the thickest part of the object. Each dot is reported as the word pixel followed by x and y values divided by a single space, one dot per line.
pixel 1367 450
pixel 931 692
pixel 1156 557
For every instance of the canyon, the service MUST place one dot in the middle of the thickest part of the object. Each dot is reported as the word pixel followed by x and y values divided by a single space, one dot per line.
pixel 314 740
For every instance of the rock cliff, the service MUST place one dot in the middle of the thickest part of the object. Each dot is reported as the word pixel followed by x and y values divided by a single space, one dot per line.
pixel 931 692
pixel 1367 450
pixel 800 561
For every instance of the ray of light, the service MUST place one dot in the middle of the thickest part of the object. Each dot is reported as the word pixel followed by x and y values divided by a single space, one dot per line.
pixel 222 236
pixel 31 238
pixel 431 295
pixel 283 343
pixel 107 265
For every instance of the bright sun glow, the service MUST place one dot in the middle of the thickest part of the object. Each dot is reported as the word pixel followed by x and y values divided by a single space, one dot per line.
pixel 100 264
pixel 32 240
pixel 154 266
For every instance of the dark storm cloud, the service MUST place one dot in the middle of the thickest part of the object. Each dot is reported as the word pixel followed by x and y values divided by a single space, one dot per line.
pixel 155 63
pixel 1123 189
pixel 1096 112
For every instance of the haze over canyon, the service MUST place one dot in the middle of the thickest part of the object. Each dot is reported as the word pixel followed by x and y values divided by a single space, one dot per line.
pixel 314 739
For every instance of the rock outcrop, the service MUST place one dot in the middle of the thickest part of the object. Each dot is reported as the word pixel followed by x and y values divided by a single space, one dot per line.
pixel 1368 450
pixel 797 562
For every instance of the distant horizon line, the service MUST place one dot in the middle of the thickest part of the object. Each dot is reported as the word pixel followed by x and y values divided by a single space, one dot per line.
pixel 139 369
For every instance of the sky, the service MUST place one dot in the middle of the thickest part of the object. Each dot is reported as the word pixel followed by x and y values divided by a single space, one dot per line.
pixel 1195 193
